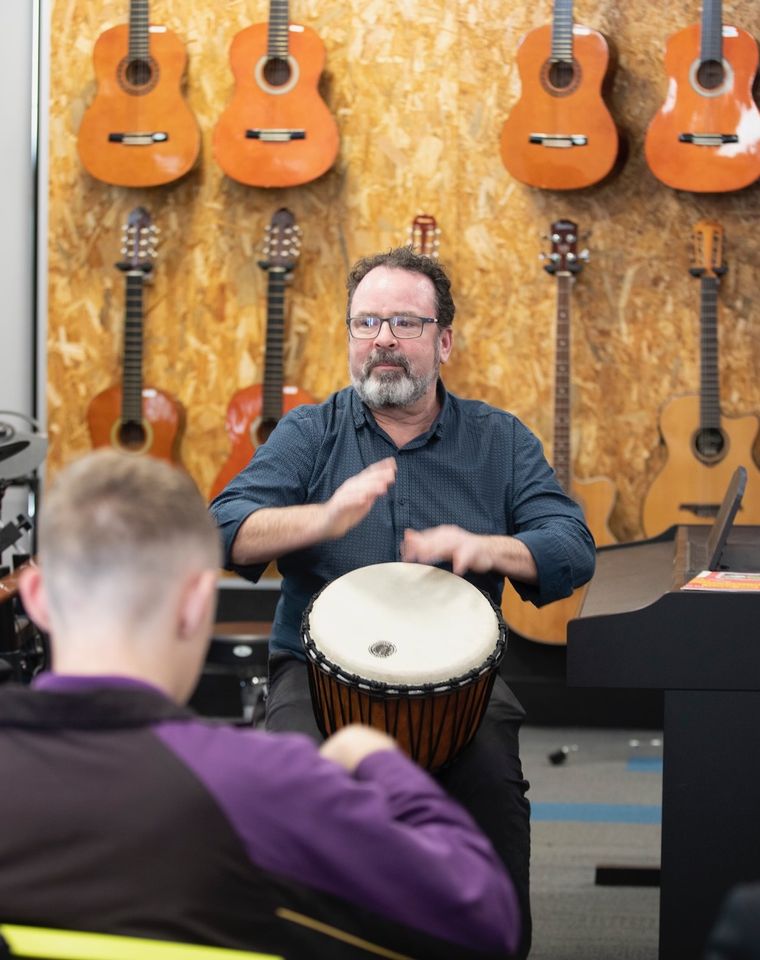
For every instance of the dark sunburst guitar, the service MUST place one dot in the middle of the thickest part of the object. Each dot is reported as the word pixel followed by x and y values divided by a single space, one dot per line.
pixel 596 496
pixel 139 130
pixel 128 416
pixel 277 130
pixel 254 411
pixel 560 134
pixel 703 446
pixel 706 136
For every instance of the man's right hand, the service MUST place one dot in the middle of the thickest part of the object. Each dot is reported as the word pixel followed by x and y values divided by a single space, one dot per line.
pixel 350 745
pixel 354 498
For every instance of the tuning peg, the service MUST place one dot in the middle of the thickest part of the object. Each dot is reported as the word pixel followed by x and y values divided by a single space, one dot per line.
pixel 584 255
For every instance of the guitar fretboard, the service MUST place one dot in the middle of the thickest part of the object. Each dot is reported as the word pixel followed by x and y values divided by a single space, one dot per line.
pixel 131 393
pixel 562 457
pixel 273 361
pixel 277 38
pixel 562 31
pixel 711 43
pixel 138 30
pixel 709 395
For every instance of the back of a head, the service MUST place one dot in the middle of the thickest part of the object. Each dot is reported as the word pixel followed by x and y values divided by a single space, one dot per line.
pixel 117 530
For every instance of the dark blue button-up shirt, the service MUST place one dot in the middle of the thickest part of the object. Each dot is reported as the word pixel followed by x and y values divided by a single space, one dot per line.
pixel 477 467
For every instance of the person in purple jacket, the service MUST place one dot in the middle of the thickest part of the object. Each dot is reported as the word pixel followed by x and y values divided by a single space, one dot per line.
pixel 123 812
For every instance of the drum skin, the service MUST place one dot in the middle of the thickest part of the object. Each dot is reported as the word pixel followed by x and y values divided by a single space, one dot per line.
pixel 432 720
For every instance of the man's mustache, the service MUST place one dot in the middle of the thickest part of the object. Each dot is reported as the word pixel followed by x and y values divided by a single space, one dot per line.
pixel 386 356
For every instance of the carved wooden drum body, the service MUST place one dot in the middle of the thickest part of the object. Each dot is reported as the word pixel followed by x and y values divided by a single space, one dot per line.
pixel 407 648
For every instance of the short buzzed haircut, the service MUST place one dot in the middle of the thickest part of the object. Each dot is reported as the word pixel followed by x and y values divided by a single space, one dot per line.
pixel 116 530
pixel 404 258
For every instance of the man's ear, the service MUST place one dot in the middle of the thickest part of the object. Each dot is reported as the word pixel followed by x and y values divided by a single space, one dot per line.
pixel 31 586
pixel 447 342
pixel 197 604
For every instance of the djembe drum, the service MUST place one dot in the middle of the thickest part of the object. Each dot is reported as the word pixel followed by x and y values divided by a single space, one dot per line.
pixel 407 648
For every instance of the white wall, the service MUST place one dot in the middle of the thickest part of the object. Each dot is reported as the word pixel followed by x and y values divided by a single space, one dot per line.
pixel 17 240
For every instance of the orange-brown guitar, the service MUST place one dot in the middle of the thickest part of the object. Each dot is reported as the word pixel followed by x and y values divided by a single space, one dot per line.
pixel 425 235
pixel 706 136
pixel 254 411
pixel 596 497
pixel 139 130
pixel 129 417
pixel 560 135
pixel 277 130
pixel 704 447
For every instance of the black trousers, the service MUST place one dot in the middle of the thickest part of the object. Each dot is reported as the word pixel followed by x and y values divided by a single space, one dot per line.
pixel 486 777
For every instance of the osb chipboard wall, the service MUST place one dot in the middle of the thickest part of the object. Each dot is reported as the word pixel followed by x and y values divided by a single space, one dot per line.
pixel 420 91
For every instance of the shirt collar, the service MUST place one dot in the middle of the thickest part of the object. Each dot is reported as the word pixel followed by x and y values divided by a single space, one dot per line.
pixel 71 683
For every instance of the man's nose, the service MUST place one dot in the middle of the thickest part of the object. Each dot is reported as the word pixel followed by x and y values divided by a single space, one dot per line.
pixel 385 334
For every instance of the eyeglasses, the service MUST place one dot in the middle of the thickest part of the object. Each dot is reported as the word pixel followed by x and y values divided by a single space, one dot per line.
pixel 402 326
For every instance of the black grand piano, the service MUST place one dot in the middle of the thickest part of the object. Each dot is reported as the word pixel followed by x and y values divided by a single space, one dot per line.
pixel 638 629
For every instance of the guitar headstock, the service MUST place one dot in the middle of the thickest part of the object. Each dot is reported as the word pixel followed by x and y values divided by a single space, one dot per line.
pixel 139 238
pixel 564 256
pixel 282 243
pixel 424 236
pixel 707 250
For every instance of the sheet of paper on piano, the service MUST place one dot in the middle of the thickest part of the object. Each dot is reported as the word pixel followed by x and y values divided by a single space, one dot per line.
pixel 724 580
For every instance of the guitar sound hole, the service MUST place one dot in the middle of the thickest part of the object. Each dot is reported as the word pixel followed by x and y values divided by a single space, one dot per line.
pixel 265 431
pixel 132 435
pixel 276 71
pixel 138 76
pixel 710 74
pixel 709 443
pixel 561 74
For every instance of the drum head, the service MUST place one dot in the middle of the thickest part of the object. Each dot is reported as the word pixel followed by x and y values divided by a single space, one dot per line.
pixel 403 623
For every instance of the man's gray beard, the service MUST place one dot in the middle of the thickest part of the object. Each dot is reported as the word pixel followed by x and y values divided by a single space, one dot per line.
pixel 397 389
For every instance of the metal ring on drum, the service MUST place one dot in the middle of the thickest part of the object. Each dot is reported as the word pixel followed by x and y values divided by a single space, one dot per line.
pixel 407 648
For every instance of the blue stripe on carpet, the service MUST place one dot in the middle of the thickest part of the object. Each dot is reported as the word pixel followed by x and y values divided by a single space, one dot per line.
pixel 645 764
pixel 596 812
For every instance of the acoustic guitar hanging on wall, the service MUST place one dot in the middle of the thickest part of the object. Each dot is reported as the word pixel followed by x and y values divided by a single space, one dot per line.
pixel 128 416
pixel 706 136
pixel 425 235
pixel 139 130
pixel 277 130
pixel 254 411
pixel 704 447
pixel 596 496
pixel 560 134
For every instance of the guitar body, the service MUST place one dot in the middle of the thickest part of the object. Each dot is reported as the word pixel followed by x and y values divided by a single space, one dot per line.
pixel 124 107
pixel 728 109
pixel 688 490
pixel 549 624
pixel 247 429
pixel 258 105
pixel 574 109
pixel 157 436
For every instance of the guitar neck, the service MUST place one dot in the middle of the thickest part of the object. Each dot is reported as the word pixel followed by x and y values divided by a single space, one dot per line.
pixel 277 36
pixel 273 362
pixel 709 395
pixel 131 392
pixel 562 454
pixel 711 43
pixel 562 31
pixel 138 30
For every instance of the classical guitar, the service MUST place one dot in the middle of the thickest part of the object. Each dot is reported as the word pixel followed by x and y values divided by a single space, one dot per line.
pixel 596 496
pixel 706 136
pixel 129 416
pixel 703 446
pixel 277 130
pixel 139 130
pixel 254 411
pixel 560 135
pixel 425 235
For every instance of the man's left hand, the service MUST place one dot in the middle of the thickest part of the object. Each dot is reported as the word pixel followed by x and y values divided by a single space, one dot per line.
pixel 464 550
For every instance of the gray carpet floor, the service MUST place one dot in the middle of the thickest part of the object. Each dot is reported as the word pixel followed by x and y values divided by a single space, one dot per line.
pixel 599 806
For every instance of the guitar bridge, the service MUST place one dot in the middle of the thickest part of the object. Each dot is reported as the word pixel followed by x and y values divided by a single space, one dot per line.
pixel 138 139
pixel 708 139
pixel 700 509
pixel 275 135
pixel 562 140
